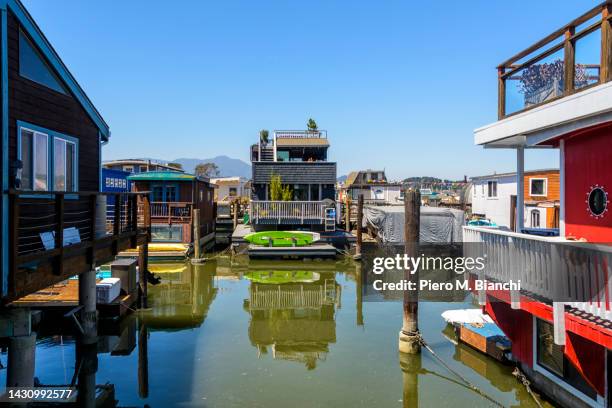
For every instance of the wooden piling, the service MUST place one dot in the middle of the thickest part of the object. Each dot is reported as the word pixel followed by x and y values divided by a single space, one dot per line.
pixel 143 254
pixel 359 226
pixel 409 337
pixel 235 205
pixel 143 361
pixel 347 213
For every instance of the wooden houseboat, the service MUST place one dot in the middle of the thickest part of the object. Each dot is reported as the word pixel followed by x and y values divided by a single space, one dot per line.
pixel 53 212
pixel 558 94
pixel 173 197
pixel 374 186
pixel 494 198
pixel 299 158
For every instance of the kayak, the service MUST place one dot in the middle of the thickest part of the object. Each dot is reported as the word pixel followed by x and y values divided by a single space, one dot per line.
pixel 280 277
pixel 280 238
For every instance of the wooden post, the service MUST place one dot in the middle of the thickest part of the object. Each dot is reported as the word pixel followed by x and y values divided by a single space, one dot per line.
pixel 359 225
pixel 196 233
pixel 347 213
pixel 513 212
pixel 235 206
pixel 409 337
pixel 59 234
pixel 605 71
pixel 143 253
pixel 501 93
pixel 569 61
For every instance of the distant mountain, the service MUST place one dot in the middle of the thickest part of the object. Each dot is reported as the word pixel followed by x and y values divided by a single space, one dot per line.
pixel 228 167
pixel 342 179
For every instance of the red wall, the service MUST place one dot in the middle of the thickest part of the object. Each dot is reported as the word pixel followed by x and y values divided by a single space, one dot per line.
pixel 588 161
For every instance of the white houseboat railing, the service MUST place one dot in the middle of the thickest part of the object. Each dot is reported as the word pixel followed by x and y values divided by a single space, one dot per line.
pixel 577 274
pixel 288 212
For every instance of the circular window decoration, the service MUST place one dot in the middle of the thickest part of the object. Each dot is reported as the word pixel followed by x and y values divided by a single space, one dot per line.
pixel 597 201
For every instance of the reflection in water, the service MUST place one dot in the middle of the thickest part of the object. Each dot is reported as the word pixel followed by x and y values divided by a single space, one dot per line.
pixel 293 314
pixel 238 333
pixel 183 297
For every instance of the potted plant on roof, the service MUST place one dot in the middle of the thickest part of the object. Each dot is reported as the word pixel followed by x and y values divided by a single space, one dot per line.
pixel 264 136
pixel 312 126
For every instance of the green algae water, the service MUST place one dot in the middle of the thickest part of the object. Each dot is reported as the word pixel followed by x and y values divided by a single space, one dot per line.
pixel 234 333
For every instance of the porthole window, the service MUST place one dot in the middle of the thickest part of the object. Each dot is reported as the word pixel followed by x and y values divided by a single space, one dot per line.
pixel 597 201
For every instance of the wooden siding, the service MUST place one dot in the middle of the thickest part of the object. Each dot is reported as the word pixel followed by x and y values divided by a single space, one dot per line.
pixel 36 104
pixel 295 172
pixel 552 189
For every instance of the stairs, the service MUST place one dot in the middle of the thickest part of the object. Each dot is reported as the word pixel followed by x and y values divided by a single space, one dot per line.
pixel 266 153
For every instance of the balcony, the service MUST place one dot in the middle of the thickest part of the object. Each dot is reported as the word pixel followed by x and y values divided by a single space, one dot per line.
pixel 571 276
pixel 287 212
pixel 572 59
pixel 300 134
pixel 55 235
pixel 170 212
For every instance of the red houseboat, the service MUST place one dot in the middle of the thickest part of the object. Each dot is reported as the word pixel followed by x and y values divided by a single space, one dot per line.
pixel 558 94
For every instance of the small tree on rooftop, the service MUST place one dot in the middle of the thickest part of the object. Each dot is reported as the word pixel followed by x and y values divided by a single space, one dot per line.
pixel 207 170
pixel 312 125
pixel 263 136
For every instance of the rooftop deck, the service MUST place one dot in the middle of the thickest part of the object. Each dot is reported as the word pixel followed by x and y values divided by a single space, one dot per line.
pixel 572 59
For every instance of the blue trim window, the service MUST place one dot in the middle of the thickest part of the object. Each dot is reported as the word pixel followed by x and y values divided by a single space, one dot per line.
pixel 50 159
pixel 33 67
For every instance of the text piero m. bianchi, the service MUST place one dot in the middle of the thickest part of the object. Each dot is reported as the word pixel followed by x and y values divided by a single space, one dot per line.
pixel 459 265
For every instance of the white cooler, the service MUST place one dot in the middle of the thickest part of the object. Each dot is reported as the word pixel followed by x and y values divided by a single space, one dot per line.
pixel 108 289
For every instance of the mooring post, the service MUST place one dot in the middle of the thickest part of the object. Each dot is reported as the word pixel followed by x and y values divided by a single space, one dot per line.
pixel 143 254
pixel 347 213
pixel 87 301
pixel 21 350
pixel 409 337
pixel 196 233
pixel 235 205
pixel 359 294
pixel 359 225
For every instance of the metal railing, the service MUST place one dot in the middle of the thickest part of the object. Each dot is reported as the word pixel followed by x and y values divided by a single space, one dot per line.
pixel 551 269
pixel 287 212
pixel 569 60
pixel 300 134
pixel 61 234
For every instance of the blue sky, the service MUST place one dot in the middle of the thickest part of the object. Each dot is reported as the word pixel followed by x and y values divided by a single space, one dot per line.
pixel 398 85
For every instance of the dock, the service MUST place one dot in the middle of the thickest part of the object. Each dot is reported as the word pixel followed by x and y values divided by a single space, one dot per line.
pixel 65 295
pixel 317 250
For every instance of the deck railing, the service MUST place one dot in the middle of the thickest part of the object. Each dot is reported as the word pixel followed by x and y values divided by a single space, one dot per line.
pixel 571 59
pixel 55 234
pixel 550 269
pixel 287 212
pixel 171 212
pixel 300 134
pixel 296 296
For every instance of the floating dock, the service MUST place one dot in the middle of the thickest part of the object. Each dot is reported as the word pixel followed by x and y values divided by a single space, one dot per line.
pixel 309 251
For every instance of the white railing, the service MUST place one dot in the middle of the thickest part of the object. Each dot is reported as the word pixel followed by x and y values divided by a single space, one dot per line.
pixel 577 274
pixel 287 212
pixel 300 134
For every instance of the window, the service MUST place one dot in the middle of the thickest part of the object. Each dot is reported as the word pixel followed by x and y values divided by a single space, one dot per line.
pixel 282 155
pixel 157 194
pixel 535 218
pixel 492 189
pixel 551 357
pixel 129 169
pixel 49 160
pixel 33 66
pixel 233 191
pixel 537 186
pixel 64 153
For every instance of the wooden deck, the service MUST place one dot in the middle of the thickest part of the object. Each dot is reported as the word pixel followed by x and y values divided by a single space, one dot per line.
pixel 66 295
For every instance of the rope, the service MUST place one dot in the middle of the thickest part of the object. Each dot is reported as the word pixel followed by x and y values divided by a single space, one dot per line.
pixel 523 379
pixel 468 384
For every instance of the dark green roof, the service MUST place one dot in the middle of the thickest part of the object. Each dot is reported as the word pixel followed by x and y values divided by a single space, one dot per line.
pixel 161 176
